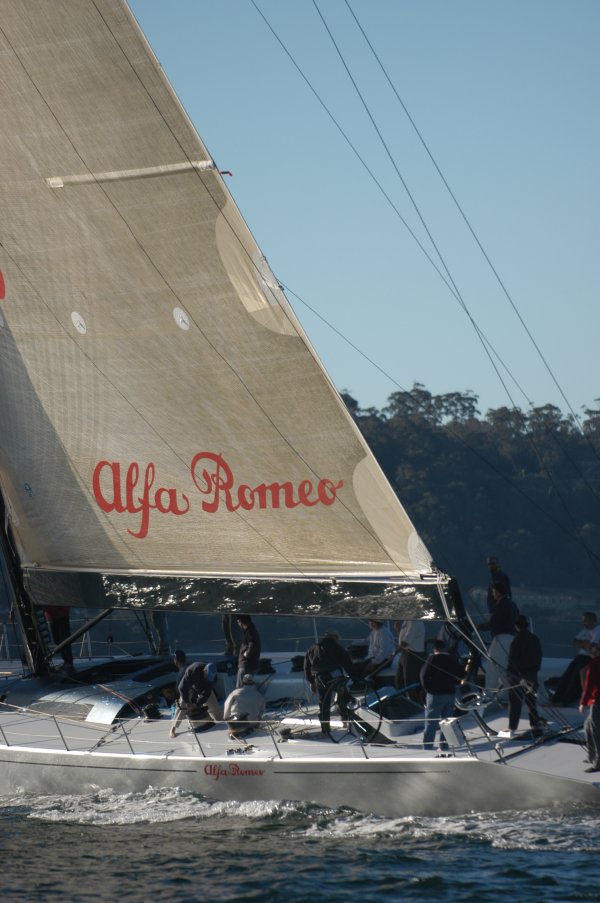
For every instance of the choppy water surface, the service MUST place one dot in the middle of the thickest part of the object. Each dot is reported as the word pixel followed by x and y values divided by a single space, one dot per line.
pixel 166 844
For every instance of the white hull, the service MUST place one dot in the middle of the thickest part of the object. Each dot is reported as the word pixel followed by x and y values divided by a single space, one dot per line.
pixel 384 780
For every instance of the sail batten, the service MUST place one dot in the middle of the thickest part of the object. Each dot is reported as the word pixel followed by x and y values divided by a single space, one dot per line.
pixel 145 172
pixel 163 412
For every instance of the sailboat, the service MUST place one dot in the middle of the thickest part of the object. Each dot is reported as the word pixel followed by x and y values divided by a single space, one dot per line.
pixel 171 442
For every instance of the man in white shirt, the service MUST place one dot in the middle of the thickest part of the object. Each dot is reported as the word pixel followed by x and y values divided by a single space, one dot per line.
pixel 382 646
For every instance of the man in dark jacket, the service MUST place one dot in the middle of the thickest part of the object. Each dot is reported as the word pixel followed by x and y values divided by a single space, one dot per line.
pixel 324 663
pixel 501 625
pixel 197 695
pixel 440 675
pixel 524 663
pixel 249 655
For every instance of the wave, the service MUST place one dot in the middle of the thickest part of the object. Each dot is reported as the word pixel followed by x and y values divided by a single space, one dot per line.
pixel 153 806
pixel 574 830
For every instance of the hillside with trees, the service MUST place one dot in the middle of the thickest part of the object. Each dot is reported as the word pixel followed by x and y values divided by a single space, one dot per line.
pixel 522 484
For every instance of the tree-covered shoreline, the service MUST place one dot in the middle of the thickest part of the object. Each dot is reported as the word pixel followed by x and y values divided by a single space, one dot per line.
pixel 523 484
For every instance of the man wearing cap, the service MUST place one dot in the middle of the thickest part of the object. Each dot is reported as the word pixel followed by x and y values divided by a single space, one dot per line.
pixel 197 694
pixel 244 708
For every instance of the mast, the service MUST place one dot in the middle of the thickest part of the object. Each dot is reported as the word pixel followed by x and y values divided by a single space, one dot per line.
pixel 29 618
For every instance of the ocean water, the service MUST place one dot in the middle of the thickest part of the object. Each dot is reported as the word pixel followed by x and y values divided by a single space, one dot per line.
pixel 172 845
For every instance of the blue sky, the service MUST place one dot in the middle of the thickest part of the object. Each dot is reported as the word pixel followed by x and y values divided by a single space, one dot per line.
pixel 506 96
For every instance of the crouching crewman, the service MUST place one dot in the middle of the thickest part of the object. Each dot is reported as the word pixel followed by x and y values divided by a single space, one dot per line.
pixel 197 698
pixel 244 708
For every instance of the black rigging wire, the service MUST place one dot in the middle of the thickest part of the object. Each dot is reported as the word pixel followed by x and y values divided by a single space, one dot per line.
pixel 449 281
pixel 456 293
pixel 393 206
pixel 468 224
pixel 574 536
pixel 296 296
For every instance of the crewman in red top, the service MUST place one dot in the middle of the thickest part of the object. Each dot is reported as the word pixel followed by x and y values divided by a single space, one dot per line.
pixel 591 698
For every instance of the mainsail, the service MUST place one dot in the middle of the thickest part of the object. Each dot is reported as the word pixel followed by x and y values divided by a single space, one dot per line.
pixel 168 435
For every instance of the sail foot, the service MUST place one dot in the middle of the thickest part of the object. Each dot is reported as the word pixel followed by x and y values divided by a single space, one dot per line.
pixel 427 599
